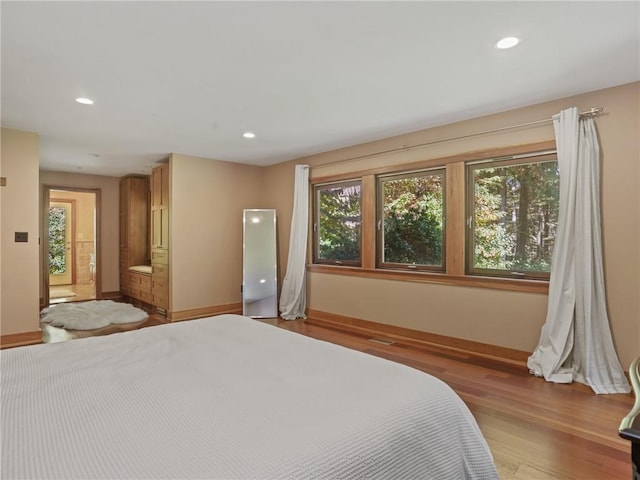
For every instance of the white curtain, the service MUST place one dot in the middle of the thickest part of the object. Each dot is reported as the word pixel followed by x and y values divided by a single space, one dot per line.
pixel 575 342
pixel 293 299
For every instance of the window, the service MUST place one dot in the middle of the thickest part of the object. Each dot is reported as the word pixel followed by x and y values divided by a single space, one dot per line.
pixel 484 219
pixel 513 214
pixel 337 233
pixel 411 220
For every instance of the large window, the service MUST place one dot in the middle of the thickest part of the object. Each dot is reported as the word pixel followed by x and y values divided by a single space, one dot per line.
pixel 513 214
pixel 337 223
pixel 411 220
pixel 482 219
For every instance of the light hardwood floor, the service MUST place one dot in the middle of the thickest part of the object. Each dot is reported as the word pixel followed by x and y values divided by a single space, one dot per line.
pixel 77 293
pixel 536 430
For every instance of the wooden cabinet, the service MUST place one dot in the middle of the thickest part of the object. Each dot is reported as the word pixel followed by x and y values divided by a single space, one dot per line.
pixel 160 286
pixel 140 286
pixel 160 207
pixel 134 228
pixel 125 282
pixel 160 237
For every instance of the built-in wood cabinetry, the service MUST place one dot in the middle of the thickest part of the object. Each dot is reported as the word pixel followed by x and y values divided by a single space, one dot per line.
pixel 140 286
pixel 160 207
pixel 160 237
pixel 134 236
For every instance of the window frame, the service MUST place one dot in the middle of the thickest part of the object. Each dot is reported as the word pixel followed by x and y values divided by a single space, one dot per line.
pixel 380 246
pixel 513 160
pixel 316 222
pixel 455 220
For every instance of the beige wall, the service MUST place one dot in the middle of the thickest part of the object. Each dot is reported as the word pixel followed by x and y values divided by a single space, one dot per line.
pixel 109 219
pixel 508 319
pixel 278 193
pixel 19 303
pixel 206 202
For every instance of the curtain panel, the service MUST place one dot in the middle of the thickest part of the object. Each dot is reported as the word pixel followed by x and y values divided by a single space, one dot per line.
pixel 293 299
pixel 576 342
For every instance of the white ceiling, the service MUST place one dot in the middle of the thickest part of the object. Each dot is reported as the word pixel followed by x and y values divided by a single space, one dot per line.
pixel 306 77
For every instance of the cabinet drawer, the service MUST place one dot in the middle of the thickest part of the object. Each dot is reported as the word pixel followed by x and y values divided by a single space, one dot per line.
pixel 145 288
pixel 139 279
pixel 159 255
pixel 160 285
pixel 160 300
pixel 145 282
pixel 139 286
pixel 145 296
pixel 160 272
pixel 141 294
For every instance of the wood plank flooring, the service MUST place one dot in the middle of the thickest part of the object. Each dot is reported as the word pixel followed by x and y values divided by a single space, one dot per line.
pixel 536 430
pixel 78 293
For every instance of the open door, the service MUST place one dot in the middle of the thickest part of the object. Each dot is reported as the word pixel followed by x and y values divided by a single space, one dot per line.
pixel 70 246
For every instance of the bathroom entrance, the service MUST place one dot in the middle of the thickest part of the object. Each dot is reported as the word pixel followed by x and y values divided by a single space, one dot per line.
pixel 71 243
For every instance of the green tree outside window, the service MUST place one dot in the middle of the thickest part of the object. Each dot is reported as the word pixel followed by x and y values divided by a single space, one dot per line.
pixel 338 223
pixel 57 252
pixel 413 219
pixel 515 215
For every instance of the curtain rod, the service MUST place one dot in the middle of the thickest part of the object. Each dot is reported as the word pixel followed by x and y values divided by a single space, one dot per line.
pixel 592 112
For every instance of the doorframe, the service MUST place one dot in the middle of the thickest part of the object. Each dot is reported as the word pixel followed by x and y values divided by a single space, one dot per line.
pixel 72 202
pixel 46 199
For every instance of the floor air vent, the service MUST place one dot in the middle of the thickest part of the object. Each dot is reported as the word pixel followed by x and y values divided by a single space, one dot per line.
pixel 383 341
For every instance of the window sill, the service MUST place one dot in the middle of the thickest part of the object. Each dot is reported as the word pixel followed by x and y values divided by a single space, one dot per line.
pixel 516 285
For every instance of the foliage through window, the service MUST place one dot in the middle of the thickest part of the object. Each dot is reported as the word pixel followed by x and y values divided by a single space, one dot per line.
pixel 513 216
pixel 57 252
pixel 411 220
pixel 337 223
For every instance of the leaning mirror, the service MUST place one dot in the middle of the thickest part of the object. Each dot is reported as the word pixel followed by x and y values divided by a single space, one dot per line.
pixel 259 264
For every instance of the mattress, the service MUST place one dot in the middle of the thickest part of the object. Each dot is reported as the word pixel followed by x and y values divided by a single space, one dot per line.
pixel 228 397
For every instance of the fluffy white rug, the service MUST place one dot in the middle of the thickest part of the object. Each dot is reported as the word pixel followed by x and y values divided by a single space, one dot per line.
pixel 90 315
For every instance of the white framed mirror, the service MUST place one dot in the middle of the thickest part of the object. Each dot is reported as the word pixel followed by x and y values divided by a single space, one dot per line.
pixel 259 264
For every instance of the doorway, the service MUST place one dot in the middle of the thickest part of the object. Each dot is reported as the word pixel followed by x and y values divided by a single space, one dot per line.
pixel 71 247
pixel 62 234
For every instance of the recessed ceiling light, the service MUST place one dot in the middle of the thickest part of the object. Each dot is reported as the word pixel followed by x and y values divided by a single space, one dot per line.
pixel 507 42
pixel 84 101
pixel 249 135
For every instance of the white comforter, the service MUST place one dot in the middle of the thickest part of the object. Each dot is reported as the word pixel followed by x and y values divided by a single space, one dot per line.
pixel 228 397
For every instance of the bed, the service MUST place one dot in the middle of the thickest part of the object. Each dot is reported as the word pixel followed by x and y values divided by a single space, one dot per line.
pixel 228 397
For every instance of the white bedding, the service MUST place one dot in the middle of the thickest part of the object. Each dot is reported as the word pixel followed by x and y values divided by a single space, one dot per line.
pixel 228 397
